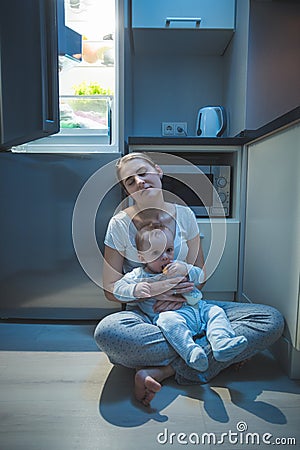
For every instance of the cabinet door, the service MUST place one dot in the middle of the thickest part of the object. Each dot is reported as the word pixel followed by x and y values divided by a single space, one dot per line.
pixel 272 247
pixel 211 13
pixel 28 71
pixel 193 27
pixel 223 265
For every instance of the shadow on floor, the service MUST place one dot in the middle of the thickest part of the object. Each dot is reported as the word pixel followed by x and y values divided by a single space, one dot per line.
pixel 242 389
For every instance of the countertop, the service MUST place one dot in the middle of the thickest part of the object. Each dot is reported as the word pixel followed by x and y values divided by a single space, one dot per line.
pixel 242 138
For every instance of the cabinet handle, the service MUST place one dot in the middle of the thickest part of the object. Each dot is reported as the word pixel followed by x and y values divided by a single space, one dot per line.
pixel 49 66
pixel 197 20
pixel 109 119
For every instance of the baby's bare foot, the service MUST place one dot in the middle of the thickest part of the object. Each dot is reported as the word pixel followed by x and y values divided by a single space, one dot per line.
pixel 145 386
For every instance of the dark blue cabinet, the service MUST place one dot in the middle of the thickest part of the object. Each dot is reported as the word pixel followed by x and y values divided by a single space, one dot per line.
pixel 29 107
pixel 173 27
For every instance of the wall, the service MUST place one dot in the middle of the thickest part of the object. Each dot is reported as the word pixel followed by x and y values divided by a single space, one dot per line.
pixel 173 88
pixel 273 85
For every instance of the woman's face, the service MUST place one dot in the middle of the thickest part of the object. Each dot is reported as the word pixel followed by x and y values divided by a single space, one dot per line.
pixel 140 179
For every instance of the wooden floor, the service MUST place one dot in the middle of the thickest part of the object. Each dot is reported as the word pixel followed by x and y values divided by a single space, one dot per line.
pixel 58 392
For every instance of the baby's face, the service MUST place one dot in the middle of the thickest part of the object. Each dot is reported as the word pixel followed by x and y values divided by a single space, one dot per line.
pixel 161 251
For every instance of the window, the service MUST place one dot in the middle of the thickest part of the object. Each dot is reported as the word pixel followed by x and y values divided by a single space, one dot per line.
pixel 88 88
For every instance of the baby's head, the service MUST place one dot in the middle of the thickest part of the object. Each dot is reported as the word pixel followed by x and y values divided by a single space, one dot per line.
pixel 155 246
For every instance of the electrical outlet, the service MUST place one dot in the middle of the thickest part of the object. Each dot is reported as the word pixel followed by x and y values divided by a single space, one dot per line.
pixel 167 129
pixel 180 128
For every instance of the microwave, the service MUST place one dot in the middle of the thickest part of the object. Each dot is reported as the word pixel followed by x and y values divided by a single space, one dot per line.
pixel 205 189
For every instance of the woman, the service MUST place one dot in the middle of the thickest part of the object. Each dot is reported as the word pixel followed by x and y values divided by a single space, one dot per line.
pixel 128 337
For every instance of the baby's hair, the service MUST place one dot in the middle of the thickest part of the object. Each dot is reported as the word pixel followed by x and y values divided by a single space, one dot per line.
pixel 142 237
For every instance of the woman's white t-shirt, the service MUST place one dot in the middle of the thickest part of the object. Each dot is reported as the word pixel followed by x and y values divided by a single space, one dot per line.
pixel 121 231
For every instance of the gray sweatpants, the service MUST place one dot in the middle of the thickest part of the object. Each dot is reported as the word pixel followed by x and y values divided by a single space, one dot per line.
pixel 131 340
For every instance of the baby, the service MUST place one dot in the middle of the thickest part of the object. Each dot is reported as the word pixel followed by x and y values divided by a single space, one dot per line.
pixel 160 273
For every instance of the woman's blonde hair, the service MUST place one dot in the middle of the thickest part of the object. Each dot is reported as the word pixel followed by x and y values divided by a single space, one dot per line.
pixel 130 156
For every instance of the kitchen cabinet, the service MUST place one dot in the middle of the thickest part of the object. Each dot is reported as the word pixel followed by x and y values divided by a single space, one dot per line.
pixel 271 262
pixel 210 13
pixel 51 259
pixel 200 26
pixel 223 266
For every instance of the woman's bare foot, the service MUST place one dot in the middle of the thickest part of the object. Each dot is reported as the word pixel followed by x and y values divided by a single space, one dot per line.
pixel 145 387
pixel 147 382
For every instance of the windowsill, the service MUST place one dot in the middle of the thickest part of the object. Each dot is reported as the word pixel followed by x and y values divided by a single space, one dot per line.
pixel 70 148
pixel 85 141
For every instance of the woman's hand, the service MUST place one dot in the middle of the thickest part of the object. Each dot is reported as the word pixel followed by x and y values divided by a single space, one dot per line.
pixel 173 299
pixel 168 285
pixel 183 287
pixel 142 290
